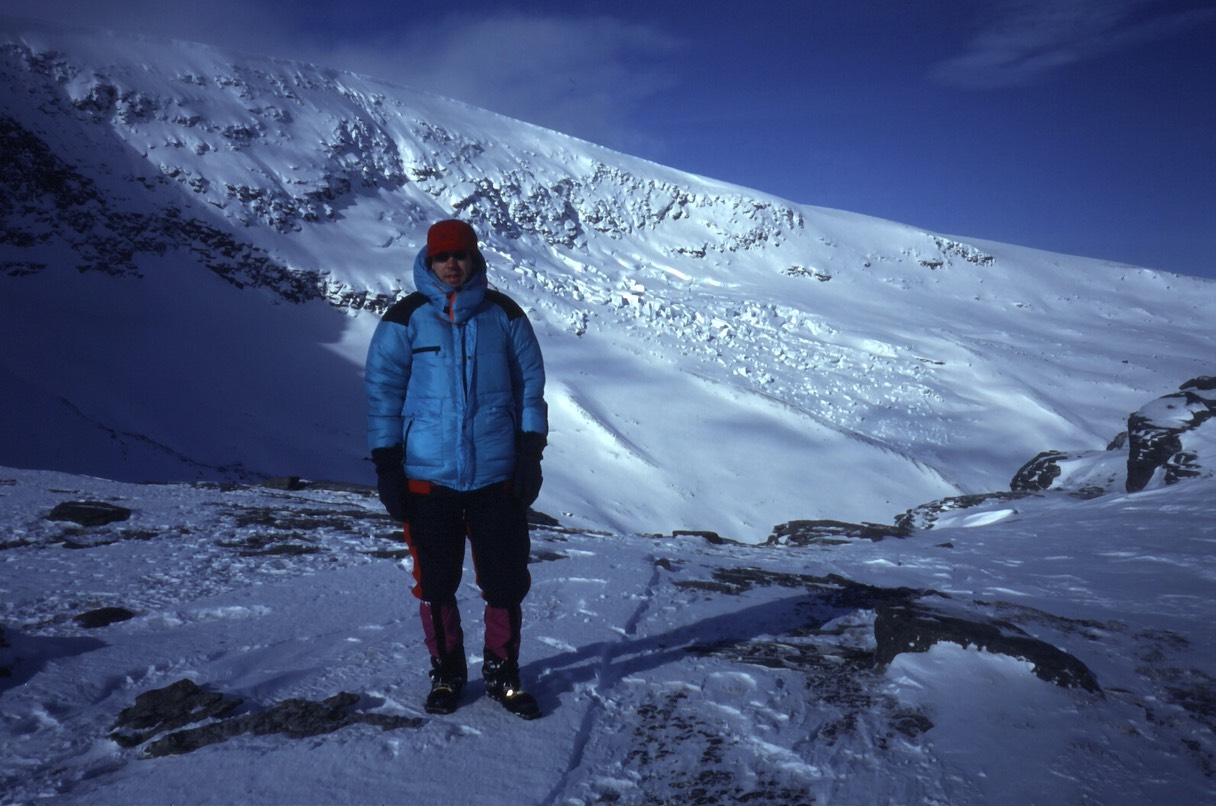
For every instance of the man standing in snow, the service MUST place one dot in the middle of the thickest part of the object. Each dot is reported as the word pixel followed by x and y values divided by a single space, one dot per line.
pixel 457 422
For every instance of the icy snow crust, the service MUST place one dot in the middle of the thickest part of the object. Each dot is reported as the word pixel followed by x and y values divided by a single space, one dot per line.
pixel 670 669
pixel 718 359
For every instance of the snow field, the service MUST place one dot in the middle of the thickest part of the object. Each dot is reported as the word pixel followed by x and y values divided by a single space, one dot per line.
pixel 666 667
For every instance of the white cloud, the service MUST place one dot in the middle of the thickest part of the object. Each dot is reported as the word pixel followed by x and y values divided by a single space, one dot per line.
pixel 1031 39
pixel 582 76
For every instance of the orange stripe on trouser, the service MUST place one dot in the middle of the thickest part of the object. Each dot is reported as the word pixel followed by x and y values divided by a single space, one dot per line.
pixel 417 571
pixel 416 487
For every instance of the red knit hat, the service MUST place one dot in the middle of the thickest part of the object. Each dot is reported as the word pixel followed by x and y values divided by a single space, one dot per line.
pixel 450 236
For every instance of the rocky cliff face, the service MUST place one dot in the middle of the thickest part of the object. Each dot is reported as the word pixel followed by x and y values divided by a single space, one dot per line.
pixel 285 148
pixel 47 202
pixel 1167 440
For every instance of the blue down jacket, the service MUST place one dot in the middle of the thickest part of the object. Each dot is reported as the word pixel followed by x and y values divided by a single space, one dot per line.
pixel 453 375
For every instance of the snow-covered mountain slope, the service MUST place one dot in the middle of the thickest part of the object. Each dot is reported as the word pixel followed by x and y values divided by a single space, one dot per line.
pixel 196 245
pixel 1044 651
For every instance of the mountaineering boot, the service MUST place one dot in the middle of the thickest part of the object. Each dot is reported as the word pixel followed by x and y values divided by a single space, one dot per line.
pixel 502 684
pixel 448 676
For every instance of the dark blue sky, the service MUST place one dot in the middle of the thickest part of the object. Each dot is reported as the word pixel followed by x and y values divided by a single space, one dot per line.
pixel 1079 126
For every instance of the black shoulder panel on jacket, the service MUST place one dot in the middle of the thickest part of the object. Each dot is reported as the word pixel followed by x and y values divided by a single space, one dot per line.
pixel 506 303
pixel 402 310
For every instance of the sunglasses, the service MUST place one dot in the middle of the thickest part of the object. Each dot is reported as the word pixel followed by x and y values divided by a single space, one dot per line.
pixel 442 257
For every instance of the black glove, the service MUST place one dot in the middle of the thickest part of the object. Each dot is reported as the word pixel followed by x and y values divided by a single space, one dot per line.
pixel 526 484
pixel 391 483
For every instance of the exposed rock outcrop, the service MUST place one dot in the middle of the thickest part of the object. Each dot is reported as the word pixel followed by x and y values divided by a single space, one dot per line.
pixel 1158 435
pixel 89 513
pixel 1167 440
pixel 185 702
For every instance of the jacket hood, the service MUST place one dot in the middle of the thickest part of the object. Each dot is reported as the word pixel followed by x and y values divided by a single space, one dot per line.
pixel 454 304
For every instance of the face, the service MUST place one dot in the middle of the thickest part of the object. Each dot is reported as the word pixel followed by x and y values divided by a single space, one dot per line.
pixel 453 268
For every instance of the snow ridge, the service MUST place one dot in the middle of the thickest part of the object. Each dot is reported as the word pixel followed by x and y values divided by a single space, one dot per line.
pixel 863 366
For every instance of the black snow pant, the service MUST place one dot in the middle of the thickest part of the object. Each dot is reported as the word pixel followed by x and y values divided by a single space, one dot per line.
pixel 495 524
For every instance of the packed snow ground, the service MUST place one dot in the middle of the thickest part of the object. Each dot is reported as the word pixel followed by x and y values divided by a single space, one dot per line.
pixel 670 669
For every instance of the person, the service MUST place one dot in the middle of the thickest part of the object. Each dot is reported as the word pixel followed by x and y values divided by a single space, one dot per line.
pixel 457 424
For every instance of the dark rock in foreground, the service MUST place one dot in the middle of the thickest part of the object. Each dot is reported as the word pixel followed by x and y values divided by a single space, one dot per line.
pixel 89 513
pixel 184 703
